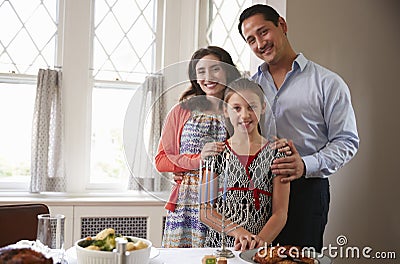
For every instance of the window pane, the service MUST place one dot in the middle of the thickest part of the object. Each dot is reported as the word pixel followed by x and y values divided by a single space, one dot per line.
pixel 16 111
pixel 124 39
pixel 108 159
pixel 222 30
pixel 28 35
pixel 123 53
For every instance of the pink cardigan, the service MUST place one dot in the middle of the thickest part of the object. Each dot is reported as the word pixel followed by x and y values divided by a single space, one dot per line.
pixel 168 158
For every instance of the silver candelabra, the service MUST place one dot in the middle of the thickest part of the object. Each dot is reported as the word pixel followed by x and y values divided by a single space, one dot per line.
pixel 230 215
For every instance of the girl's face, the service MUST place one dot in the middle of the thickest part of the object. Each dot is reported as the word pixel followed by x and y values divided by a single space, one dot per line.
pixel 211 76
pixel 244 111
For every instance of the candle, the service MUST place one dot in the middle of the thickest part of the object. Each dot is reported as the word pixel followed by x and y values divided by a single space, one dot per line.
pixel 212 182
pixel 225 177
pixel 206 182
pixel 200 189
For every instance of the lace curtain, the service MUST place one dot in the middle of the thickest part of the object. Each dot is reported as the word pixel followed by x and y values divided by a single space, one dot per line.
pixel 47 165
pixel 146 118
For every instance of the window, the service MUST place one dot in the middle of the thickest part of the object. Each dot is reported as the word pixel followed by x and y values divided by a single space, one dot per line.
pixel 105 48
pixel 28 42
pixel 28 35
pixel 109 105
pixel 122 51
pixel 222 30
pixel 124 39
pixel 123 54
pixel 16 108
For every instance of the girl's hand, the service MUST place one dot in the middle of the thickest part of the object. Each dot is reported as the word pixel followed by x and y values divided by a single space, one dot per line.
pixel 245 240
pixel 212 149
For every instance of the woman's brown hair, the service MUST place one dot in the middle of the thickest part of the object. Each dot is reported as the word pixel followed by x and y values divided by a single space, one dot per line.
pixel 194 90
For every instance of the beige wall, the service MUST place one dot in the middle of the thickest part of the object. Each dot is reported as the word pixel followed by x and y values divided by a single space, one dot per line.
pixel 360 40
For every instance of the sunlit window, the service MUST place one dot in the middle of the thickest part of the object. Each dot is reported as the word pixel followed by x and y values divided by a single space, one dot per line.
pixel 28 39
pixel 124 39
pixel 28 35
pixel 16 108
pixel 222 29
pixel 122 48
pixel 107 154
pixel 124 53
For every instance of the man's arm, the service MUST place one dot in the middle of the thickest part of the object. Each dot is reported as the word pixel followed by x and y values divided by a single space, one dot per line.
pixel 342 135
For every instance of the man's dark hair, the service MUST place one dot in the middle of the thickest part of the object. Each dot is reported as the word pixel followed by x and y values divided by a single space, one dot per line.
pixel 268 12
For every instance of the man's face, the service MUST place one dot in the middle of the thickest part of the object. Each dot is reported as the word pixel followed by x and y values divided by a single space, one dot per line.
pixel 266 40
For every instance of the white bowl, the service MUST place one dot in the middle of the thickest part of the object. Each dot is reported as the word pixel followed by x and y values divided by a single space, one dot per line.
pixel 87 256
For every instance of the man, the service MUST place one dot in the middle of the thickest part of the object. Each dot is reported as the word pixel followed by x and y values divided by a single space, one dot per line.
pixel 312 107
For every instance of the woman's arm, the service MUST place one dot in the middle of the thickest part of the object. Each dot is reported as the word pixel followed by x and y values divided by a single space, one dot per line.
pixel 168 158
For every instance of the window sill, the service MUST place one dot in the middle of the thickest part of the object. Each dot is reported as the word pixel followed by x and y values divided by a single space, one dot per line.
pixel 137 198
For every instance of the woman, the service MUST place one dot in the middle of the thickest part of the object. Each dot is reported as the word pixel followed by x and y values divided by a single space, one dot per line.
pixel 193 130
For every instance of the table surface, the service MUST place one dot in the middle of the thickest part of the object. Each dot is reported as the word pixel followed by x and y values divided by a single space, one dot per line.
pixel 173 255
pixel 189 255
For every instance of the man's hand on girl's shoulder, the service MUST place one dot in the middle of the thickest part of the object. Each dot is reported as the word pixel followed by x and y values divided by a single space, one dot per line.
pixel 291 167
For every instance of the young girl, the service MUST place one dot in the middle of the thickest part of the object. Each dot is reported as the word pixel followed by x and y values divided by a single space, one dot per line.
pixel 193 130
pixel 245 162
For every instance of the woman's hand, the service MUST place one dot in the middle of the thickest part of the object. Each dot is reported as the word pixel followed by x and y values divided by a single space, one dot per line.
pixel 212 149
pixel 178 177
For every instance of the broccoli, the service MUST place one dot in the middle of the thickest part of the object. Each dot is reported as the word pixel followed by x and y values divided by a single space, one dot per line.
pixel 105 240
pixel 86 243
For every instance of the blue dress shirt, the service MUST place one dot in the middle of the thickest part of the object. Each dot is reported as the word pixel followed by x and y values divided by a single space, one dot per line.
pixel 313 108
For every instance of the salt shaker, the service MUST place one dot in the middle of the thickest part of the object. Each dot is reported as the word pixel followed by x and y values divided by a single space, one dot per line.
pixel 121 250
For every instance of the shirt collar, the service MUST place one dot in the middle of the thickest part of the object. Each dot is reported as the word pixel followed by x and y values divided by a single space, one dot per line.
pixel 300 62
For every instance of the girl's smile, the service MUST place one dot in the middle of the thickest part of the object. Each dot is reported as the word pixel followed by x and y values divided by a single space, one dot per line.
pixel 244 111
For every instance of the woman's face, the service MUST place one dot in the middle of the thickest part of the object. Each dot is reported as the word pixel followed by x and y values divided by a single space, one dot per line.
pixel 244 111
pixel 211 76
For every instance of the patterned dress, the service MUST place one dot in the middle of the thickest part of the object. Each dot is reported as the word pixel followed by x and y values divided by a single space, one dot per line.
pixel 183 227
pixel 249 183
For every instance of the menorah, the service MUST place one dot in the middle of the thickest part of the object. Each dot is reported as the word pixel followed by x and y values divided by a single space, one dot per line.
pixel 229 216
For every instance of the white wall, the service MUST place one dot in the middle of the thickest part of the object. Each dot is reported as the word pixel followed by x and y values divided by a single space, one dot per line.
pixel 359 39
